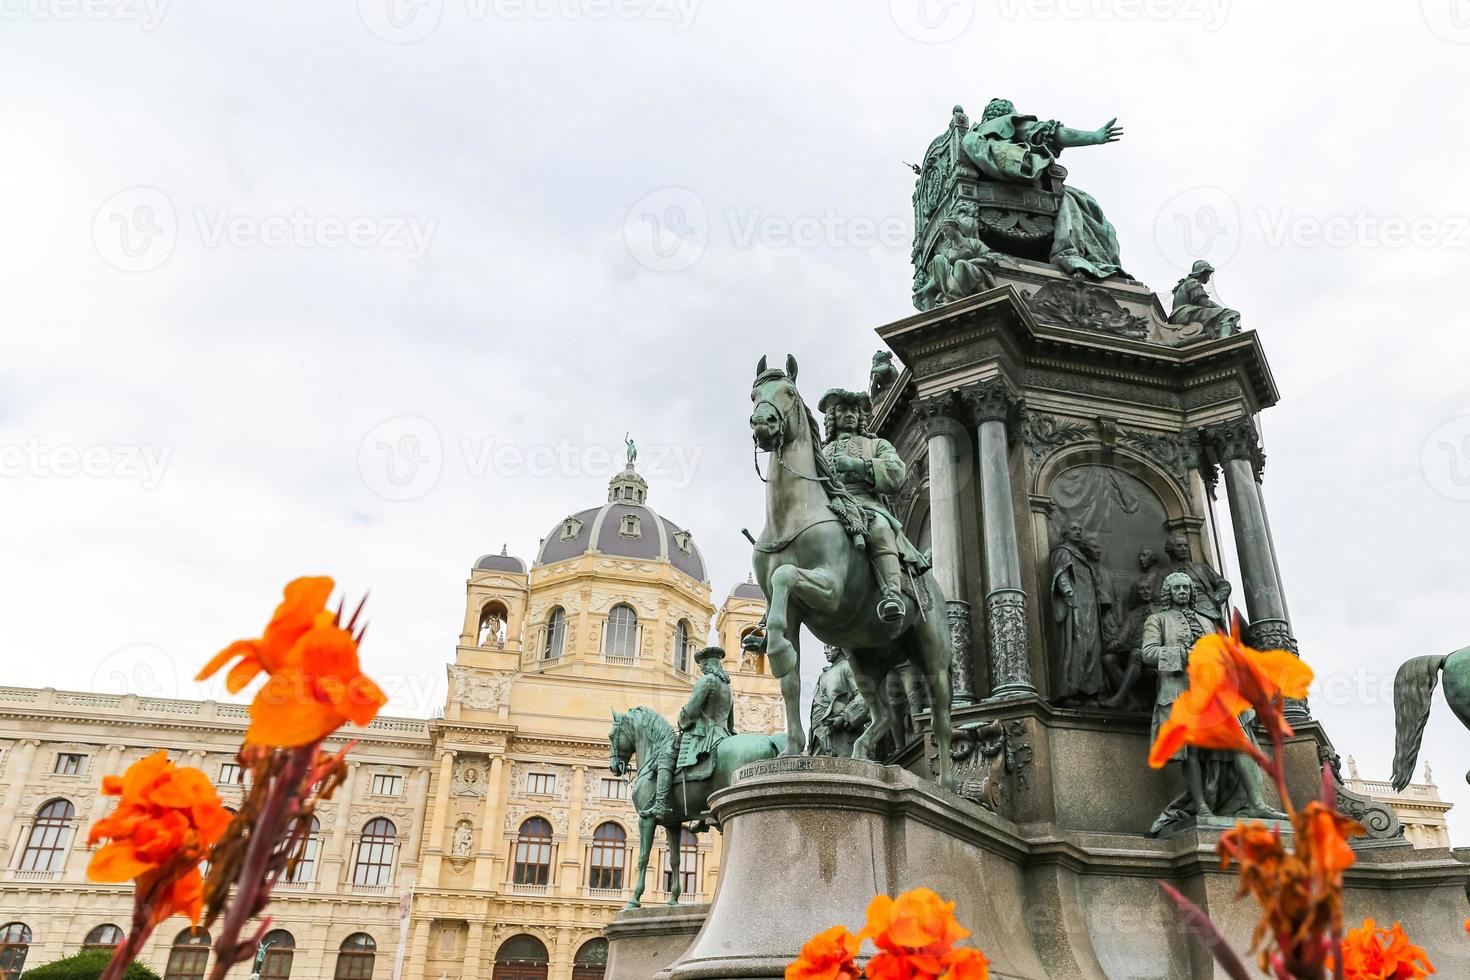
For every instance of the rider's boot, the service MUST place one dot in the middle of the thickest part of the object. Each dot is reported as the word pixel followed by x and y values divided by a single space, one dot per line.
pixel 891 606
pixel 660 809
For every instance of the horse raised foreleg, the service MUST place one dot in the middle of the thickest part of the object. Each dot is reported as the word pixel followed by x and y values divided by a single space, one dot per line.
pixel 645 844
pixel 783 626
pixel 673 835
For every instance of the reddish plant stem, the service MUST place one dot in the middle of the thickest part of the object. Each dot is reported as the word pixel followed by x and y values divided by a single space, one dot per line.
pixel 129 948
pixel 252 891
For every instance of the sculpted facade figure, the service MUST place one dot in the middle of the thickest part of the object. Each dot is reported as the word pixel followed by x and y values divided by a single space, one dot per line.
pixel 1193 304
pixel 704 722
pixel 1224 784
pixel 869 468
pixel 1123 660
pixel 838 712
pixel 1007 146
pixel 883 373
pixel 1077 610
pixel 962 266
pixel 463 840
pixel 1212 591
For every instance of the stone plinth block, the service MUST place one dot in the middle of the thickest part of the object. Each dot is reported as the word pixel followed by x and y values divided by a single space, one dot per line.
pixel 809 842
pixel 643 942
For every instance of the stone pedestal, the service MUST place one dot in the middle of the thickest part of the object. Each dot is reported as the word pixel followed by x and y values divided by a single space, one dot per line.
pixel 641 943
pixel 808 842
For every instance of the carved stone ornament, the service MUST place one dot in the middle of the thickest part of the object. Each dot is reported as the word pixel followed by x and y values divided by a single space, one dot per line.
pixel 1170 450
pixel 1044 434
pixel 1083 306
pixel 990 400
pixel 992 759
pixel 1236 439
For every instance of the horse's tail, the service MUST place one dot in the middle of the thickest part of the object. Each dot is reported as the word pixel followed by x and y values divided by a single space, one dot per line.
pixel 1413 694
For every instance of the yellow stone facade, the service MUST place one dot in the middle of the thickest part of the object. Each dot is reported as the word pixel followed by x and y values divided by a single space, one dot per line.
pixel 492 830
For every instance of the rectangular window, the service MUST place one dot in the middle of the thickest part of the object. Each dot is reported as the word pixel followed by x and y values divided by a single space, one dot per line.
pixel 70 764
pixel 614 789
pixel 541 784
pixel 229 774
pixel 387 784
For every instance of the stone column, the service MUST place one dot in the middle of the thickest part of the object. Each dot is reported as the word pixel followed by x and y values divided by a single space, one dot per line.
pixel 434 820
pixel 492 815
pixel 414 853
pixel 474 946
pixel 949 472
pixel 418 951
pixel 90 812
pixel 1236 447
pixel 337 853
pixel 17 774
pixel 992 406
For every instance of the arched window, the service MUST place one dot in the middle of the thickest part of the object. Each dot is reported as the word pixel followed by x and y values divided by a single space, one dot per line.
pixel 620 643
pixel 681 646
pixel 305 869
pixel 688 865
pixel 280 951
pixel 590 963
pixel 375 850
pixel 521 958
pixel 189 957
pixel 556 634
pixel 355 958
pixel 15 943
pixel 533 853
pixel 104 936
pixel 50 834
pixel 609 855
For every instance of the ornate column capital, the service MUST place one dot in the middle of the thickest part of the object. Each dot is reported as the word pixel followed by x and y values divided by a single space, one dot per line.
pixel 1235 439
pixel 937 413
pixel 992 400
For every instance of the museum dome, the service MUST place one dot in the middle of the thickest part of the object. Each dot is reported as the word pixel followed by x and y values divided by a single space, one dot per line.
pixel 502 562
pixel 624 527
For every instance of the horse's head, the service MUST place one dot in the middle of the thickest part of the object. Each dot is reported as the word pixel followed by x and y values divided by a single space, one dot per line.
pixel 775 399
pixel 620 744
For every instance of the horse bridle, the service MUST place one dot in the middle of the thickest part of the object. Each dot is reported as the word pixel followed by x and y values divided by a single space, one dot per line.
pixel 780 450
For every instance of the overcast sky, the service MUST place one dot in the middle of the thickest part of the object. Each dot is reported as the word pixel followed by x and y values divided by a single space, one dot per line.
pixel 369 289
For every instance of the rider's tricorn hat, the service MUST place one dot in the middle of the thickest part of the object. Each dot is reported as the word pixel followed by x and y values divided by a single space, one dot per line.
pixel 841 396
pixel 709 653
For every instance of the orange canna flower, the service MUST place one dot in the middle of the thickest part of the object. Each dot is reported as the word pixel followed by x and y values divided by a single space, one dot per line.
pixel 965 964
pixel 163 826
pixel 1326 832
pixel 319 689
pixel 304 600
pixel 1370 953
pixel 1248 678
pixel 827 956
pixel 916 921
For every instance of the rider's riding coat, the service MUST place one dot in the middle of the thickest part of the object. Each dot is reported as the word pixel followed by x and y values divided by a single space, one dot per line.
pixel 706 720
pixel 883 473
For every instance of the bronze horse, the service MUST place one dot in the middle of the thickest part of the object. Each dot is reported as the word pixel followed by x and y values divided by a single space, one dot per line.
pixel 1413 694
pixel 815 575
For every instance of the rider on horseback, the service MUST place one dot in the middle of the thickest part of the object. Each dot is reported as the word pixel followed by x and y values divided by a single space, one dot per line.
pixel 868 468
pixel 706 721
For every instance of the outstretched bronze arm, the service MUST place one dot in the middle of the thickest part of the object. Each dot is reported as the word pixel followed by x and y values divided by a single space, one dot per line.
pixel 1108 132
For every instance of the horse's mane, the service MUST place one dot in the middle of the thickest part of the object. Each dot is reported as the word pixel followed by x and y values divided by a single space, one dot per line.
pixel 839 498
pixel 651 724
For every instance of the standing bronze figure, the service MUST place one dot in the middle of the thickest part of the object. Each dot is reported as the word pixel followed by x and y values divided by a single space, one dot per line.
pixel 811 562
